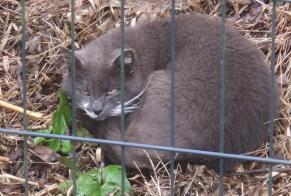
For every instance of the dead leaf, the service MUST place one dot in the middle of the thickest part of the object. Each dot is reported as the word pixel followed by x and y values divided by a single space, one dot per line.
pixel 6 36
pixel 46 154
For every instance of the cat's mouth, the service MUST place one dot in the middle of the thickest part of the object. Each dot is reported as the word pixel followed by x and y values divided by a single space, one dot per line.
pixel 129 107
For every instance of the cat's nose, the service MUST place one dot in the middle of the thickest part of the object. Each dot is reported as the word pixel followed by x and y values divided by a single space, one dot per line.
pixel 97 111
pixel 97 107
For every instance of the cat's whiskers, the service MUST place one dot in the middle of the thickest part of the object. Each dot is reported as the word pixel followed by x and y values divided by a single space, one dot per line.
pixel 80 106
pixel 131 108
pixel 130 105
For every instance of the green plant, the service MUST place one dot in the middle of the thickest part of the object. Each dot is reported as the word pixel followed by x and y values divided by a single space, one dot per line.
pixel 99 182
pixel 60 122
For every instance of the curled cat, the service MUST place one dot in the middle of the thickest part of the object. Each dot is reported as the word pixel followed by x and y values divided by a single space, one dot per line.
pixel 148 89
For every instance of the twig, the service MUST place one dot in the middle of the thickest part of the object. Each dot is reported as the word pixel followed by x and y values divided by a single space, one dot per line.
pixel 5 159
pixel 20 109
pixel 257 171
pixel 38 127
pixel 283 11
pixel 17 179
pixel 70 191
pixel 47 189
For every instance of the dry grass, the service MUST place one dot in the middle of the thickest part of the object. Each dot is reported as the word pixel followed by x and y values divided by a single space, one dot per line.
pixel 48 24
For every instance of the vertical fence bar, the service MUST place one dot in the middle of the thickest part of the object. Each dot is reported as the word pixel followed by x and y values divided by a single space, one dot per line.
pixel 122 79
pixel 221 115
pixel 173 93
pixel 272 100
pixel 73 96
pixel 24 93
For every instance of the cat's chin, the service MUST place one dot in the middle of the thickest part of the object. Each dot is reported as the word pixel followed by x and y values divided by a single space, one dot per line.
pixel 100 119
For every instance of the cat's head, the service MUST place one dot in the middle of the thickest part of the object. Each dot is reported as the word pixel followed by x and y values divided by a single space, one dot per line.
pixel 98 90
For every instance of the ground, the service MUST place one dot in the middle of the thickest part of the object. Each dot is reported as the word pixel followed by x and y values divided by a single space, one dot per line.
pixel 48 29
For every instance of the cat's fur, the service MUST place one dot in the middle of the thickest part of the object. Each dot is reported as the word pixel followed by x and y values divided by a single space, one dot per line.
pixel 147 62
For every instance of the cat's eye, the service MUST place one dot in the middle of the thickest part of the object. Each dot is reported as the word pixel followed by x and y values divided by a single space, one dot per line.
pixel 112 92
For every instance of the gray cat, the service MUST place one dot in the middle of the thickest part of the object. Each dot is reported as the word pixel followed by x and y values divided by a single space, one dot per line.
pixel 148 84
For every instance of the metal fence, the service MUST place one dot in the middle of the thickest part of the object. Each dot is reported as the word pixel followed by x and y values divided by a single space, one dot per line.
pixel 124 144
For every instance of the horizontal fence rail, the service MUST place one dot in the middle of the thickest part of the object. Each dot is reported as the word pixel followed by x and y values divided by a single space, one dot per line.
pixel 146 146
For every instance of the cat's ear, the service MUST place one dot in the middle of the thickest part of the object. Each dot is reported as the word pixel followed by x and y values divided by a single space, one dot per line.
pixel 129 61
pixel 79 63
